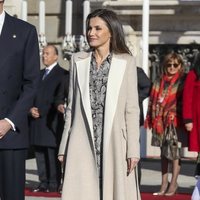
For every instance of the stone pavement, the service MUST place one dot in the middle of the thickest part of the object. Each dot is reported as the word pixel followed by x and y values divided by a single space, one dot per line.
pixel 151 176
pixel 150 182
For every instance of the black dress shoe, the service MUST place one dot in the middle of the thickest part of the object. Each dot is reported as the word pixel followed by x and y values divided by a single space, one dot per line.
pixel 60 188
pixel 40 189
pixel 51 189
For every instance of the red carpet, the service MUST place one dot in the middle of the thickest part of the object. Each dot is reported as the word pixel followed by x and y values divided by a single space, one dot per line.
pixel 145 196
pixel 149 196
pixel 28 192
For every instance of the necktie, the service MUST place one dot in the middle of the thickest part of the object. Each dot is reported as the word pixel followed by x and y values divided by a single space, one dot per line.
pixel 45 74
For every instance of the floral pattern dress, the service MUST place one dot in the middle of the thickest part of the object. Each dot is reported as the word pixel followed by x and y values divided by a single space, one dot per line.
pixel 98 85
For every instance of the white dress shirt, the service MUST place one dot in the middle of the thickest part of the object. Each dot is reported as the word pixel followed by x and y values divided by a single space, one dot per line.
pixel 2 18
pixel 50 67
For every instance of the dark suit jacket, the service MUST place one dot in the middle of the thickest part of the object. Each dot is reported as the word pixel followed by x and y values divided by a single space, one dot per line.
pixel 144 87
pixel 44 129
pixel 19 72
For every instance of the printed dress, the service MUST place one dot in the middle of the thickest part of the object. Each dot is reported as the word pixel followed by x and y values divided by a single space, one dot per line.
pixel 166 100
pixel 98 85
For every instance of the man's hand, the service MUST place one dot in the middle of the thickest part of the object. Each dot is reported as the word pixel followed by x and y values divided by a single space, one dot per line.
pixel 61 158
pixel 131 164
pixel 5 126
pixel 61 108
pixel 189 126
pixel 35 112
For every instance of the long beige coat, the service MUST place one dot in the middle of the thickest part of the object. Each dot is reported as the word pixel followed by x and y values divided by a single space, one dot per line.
pixel 121 133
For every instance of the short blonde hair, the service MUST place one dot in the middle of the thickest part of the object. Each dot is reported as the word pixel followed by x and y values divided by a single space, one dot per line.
pixel 173 56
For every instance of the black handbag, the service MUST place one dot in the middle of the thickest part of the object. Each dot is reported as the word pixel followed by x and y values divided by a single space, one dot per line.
pixel 170 146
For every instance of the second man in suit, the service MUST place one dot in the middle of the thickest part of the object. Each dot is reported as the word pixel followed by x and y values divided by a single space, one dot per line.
pixel 44 121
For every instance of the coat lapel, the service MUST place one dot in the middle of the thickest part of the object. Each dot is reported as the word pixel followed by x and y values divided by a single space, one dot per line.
pixel 51 73
pixel 83 74
pixel 115 78
pixel 7 37
pixel 116 74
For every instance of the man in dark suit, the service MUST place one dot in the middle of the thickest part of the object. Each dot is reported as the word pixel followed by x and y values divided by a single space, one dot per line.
pixel 144 87
pixel 19 69
pixel 44 121
pixel 61 104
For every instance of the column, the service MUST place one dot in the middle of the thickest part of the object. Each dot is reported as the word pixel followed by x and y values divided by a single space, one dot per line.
pixel 42 17
pixel 68 18
pixel 24 10
pixel 86 11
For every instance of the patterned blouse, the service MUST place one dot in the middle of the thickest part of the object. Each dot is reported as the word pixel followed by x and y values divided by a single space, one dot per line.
pixel 98 85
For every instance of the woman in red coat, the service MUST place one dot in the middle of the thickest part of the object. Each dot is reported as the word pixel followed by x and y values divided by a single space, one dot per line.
pixel 191 106
pixel 164 109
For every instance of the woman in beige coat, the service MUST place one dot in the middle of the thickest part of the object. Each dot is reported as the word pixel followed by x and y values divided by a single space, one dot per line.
pixel 101 134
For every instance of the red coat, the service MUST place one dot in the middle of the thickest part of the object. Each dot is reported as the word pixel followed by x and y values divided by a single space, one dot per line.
pixel 191 109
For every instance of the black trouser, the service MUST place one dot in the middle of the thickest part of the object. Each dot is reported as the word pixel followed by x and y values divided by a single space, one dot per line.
pixel 12 174
pixel 47 166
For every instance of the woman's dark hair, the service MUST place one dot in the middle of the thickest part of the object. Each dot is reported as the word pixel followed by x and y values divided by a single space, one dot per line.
pixel 196 66
pixel 173 56
pixel 118 44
